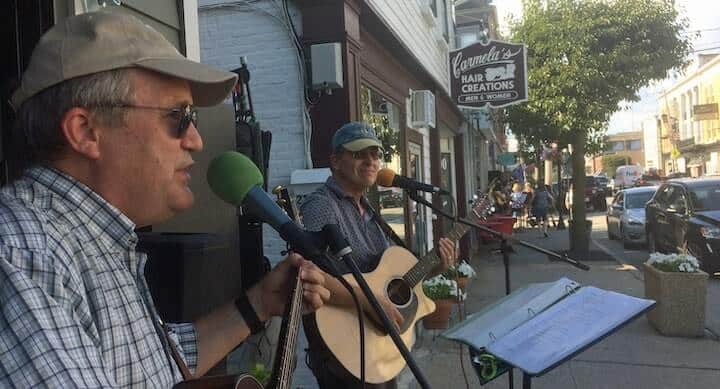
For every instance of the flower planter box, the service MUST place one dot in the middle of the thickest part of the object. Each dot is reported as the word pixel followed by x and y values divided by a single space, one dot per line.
pixel 439 319
pixel 462 283
pixel 680 297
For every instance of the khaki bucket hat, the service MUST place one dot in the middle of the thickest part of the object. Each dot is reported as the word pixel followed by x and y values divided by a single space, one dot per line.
pixel 99 41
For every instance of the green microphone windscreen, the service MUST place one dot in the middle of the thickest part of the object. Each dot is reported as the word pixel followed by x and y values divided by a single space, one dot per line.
pixel 231 175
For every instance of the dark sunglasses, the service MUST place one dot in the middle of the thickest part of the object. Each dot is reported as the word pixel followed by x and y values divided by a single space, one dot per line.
pixel 184 115
pixel 374 154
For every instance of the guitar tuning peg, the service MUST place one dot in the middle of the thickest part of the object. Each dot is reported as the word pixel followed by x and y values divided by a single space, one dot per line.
pixel 276 190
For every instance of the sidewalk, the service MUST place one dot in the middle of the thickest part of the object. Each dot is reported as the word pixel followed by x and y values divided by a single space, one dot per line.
pixel 635 357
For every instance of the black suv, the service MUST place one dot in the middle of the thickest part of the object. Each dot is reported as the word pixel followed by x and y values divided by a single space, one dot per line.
pixel 685 214
pixel 596 191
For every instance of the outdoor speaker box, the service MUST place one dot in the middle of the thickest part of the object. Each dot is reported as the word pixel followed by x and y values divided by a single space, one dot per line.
pixel 187 274
pixel 326 65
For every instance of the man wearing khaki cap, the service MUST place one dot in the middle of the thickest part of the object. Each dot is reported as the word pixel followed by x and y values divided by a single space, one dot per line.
pixel 108 128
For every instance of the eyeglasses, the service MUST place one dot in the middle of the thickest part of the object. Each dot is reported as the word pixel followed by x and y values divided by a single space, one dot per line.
pixel 374 154
pixel 184 115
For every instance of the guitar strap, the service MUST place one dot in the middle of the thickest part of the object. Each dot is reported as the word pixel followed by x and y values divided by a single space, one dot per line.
pixel 176 355
pixel 385 227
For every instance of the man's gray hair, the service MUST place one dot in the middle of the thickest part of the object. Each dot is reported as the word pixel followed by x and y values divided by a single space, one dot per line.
pixel 37 137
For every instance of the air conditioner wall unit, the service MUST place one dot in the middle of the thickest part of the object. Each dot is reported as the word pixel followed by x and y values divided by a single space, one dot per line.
pixel 423 109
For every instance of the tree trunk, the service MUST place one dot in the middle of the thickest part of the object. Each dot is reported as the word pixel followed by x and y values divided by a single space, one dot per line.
pixel 578 232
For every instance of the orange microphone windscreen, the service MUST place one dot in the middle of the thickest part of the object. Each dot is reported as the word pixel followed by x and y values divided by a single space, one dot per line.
pixel 385 177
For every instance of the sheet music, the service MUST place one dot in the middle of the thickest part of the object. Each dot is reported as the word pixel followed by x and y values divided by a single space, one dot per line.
pixel 566 328
pixel 497 320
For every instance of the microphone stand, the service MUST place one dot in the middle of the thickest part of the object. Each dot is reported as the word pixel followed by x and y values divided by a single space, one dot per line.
pixel 498 234
pixel 340 248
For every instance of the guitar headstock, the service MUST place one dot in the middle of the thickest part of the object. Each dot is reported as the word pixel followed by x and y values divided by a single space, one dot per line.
pixel 481 207
pixel 284 199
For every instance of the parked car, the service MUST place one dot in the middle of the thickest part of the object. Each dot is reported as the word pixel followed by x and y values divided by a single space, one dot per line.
pixel 604 182
pixel 625 176
pixel 390 199
pixel 595 193
pixel 649 180
pixel 676 175
pixel 685 214
pixel 626 215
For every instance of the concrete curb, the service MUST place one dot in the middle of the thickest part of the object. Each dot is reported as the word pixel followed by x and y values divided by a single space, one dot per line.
pixel 635 271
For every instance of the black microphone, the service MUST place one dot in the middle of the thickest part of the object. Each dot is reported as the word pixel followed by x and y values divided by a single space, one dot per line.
pixel 386 177
pixel 235 179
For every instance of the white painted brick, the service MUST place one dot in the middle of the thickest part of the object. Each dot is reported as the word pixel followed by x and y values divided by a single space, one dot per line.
pixel 228 33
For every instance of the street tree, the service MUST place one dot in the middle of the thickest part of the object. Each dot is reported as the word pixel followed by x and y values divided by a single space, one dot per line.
pixel 585 57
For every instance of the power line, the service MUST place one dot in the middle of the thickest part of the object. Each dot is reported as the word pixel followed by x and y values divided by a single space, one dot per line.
pixel 702 30
pixel 707 44
pixel 707 48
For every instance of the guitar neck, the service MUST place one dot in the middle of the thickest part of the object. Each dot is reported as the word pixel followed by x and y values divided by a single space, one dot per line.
pixel 289 329
pixel 432 259
pixel 285 355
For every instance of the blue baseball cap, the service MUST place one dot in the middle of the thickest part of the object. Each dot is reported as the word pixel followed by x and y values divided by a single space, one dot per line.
pixel 355 136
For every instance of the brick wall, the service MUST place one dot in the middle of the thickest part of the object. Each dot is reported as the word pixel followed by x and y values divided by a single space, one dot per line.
pixel 228 31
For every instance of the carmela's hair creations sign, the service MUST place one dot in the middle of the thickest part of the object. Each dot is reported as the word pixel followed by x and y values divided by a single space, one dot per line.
pixel 488 73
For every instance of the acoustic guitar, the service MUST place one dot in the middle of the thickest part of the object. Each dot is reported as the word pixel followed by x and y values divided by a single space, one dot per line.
pixel 398 277
pixel 284 363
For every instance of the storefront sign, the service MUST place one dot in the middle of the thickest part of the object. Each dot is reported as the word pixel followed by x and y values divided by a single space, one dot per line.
pixel 507 159
pixel 705 112
pixel 490 73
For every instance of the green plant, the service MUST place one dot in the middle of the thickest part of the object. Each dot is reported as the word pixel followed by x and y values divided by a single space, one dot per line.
pixel 451 273
pixel 439 287
pixel 610 163
pixel 261 373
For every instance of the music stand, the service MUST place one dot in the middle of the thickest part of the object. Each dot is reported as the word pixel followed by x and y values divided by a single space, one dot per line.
pixel 571 322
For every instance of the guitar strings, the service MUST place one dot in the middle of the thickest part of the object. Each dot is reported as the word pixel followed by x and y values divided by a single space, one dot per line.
pixel 286 357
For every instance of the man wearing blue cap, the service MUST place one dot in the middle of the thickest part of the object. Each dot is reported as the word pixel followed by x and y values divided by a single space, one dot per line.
pixel 354 163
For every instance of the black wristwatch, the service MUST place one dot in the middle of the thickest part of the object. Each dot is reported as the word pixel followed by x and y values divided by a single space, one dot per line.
pixel 249 315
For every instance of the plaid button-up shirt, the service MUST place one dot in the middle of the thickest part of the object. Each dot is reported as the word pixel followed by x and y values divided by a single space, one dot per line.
pixel 75 310
pixel 329 204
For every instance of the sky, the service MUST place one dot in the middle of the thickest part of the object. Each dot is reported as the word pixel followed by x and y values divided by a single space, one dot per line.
pixel 703 15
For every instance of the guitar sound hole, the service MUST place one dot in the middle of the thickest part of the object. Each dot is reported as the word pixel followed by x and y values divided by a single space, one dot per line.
pixel 399 292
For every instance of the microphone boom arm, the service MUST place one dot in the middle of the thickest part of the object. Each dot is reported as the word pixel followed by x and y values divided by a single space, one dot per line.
pixel 505 237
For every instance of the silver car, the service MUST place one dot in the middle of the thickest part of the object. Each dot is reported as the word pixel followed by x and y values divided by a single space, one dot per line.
pixel 626 215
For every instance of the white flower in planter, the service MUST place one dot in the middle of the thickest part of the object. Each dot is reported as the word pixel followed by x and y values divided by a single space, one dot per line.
pixel 439 287
pixel 465 270
pixel 684 263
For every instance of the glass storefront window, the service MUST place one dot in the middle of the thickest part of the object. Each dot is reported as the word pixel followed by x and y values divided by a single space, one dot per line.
pixel 384 116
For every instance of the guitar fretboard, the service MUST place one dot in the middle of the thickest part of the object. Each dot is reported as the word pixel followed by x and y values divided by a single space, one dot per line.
pixel 432 259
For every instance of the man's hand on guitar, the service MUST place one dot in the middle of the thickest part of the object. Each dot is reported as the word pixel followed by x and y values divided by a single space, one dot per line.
pixel 448 256
pixel 270 295
pixel 390 310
